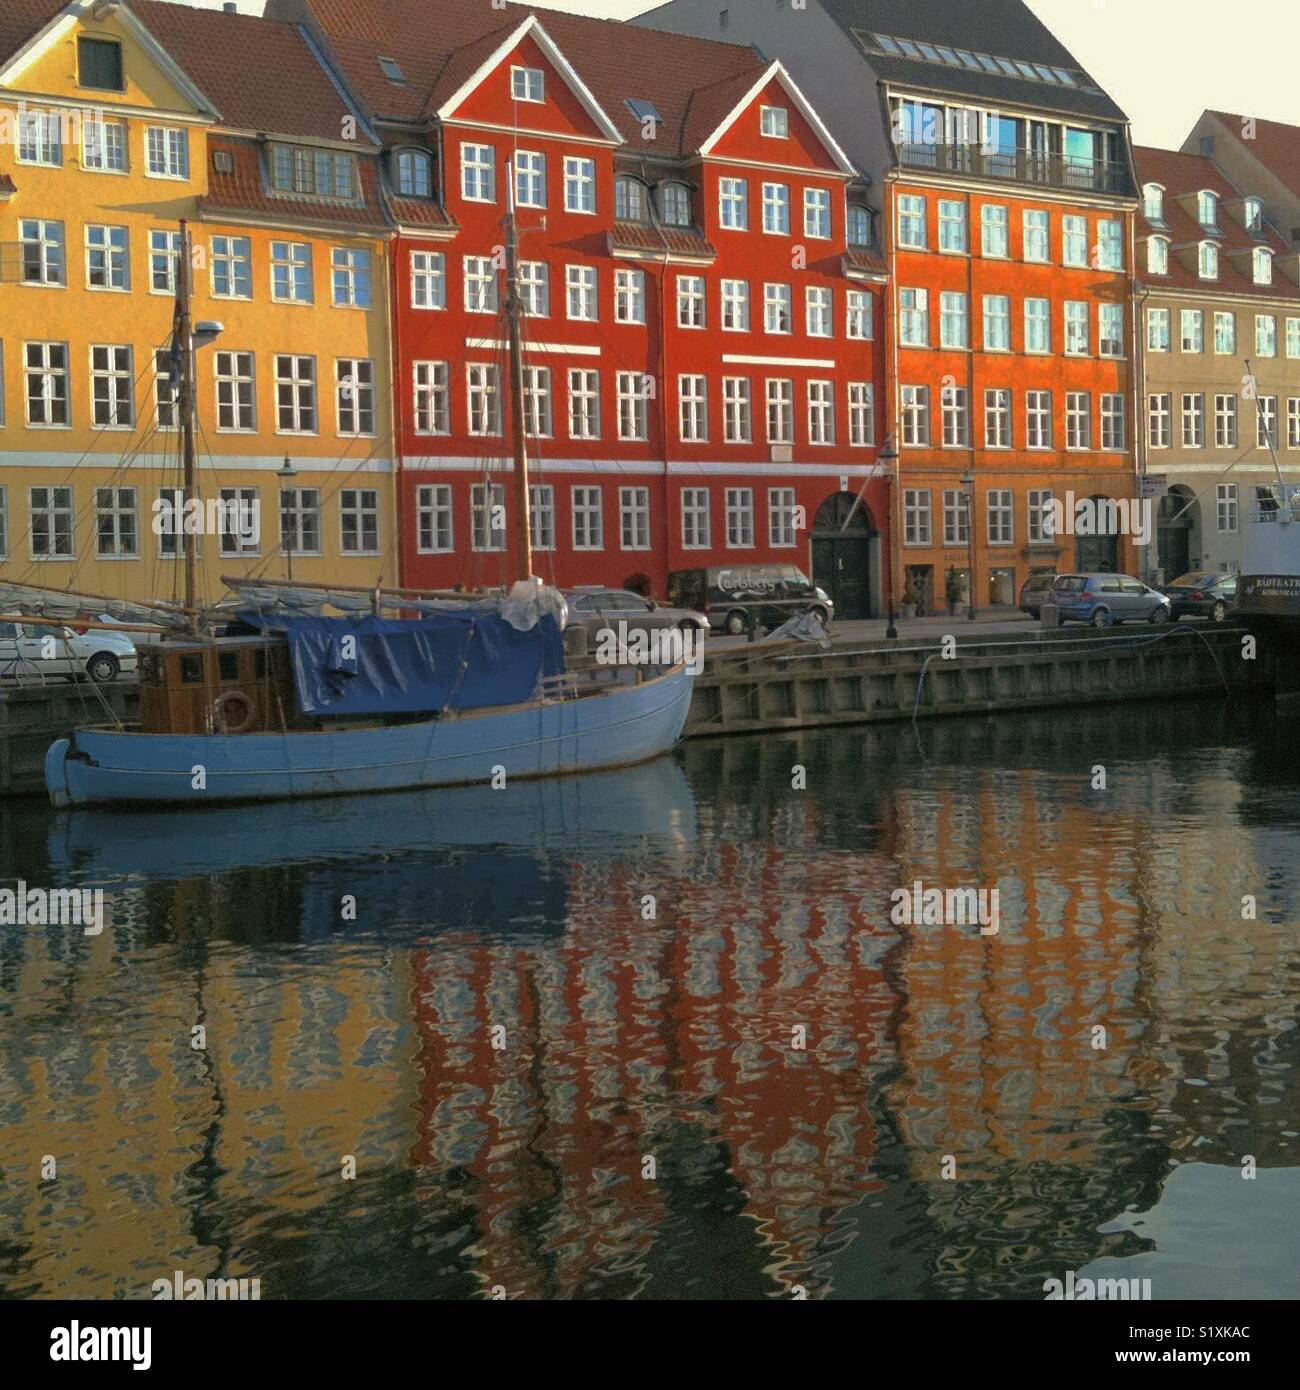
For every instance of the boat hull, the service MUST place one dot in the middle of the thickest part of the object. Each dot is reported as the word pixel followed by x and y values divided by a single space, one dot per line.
pixel 625 725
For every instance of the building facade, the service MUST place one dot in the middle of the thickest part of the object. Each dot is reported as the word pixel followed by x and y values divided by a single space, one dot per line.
pixel 702 359
pixel 126 121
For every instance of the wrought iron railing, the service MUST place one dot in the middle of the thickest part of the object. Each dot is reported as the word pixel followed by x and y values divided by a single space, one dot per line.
pixel 1018 166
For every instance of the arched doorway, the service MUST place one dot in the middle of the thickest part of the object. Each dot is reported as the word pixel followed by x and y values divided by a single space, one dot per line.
pixel 1099 554
pixel 1176 526
pixel 843 532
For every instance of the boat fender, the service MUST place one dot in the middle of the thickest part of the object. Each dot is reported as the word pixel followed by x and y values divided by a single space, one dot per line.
pixel 233 712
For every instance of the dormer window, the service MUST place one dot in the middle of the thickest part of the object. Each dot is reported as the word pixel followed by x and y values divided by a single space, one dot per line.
pixel 775 122
pixel 859 231
pixel 320 173
pixel 414 174
pixel 1157 256
pixel 629 200
pixel 528 84
pixel 1208 260
pixel 1253 215
pixel 1207 205
pixel 99 64
pixel 1262 266
pixel 1153 202
pixel 675 204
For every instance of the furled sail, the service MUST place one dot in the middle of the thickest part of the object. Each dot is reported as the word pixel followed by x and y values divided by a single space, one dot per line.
pixel 61 605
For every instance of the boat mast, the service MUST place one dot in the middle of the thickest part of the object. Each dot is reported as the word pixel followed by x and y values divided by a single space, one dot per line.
pixel 514 317
pixel 183 344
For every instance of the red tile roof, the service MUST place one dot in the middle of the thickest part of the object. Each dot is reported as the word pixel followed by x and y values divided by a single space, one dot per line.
pixel 21 20
pixel 1184 174
pixel 1275 145
pixel 645 236
pixel 865 262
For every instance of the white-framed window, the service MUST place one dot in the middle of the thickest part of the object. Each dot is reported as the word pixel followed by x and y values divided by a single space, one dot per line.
pixel 1225 421
pixel 53 523
pixel 103 146
pixel 541 515
pixel 954 414
pixel 1036 236
pixel 295 169
pixel 1038 419
pixel 236 391
pixel 1207 260
pixel 774 122
pixel 956 517
pixel 1113 428
pixel 232 267
pixel 696 526
pixel 631 200
pixel 817 214
pixel 633 390
pixel 579 184
pixel 862 414
pixel 1225 333
pixel 858 225
pixel 240 502
pixel 780 410
pixel 1266 435
pixel 737 413
pixel 778 310
pixel 916 416
pixel 629 296
pixel 528 84
pixel 690 301
pixel 1078 331
pixel 918 523
pixel 1192 330
pixel 1193 404
pixel 995 237
pixel 952 225
pixel 580 284
pixel 1000 510
pixel 487 517
pixel 295 393
pixel 675 204
pixel 112 389
pixel 359 521
pixel 1265 335
pixel 40 138
pixel 535 289
pixel 740 518
pixel 821 412
pixel 911 221
pixel 914 317
pixel 819 312
pixel 1157 255
pixel 1159 413
pixel 997 323
pixel 588 519
pixel 117 523
pixel 1110 330
pixel 1038 325
pixel 1074 240
pixel 480 285
pixel 1157 330
pixel 733 204
pixel 1226 508
pixel 954 319
pixel 42 249
pixel 781 530
pixel 997 418
pixel 432 397
pixel 483 392
pixel 1207 204
pixel 414 174
pixel 530 179
pixel 167 152
pixel 354 395
pixel 428 280
pixel 584 403
pixel 1110 244
pixel 291 272
pixel 164 261
pixel 776 209
pixel 735 306
pixel 108 259
pixel 350 277
pixel 1038 501
pixel 478 173
pixel 1293 422
pixel 1153 202
pixel 1293 337
pixel 860 315
pixel 300 531
pixel 693 413
pixel 538 416
pixel 634 518
pixel 435 534
pixel 1261 264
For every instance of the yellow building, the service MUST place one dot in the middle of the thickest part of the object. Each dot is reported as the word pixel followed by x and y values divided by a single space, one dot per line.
pixel 117 122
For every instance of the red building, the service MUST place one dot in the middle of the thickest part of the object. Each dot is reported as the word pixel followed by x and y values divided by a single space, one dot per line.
pixel 704 371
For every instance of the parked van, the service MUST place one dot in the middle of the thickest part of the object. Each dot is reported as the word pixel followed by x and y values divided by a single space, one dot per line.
pixel 734 596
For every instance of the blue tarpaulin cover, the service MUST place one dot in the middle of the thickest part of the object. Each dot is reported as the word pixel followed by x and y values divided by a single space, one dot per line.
pixel 453 660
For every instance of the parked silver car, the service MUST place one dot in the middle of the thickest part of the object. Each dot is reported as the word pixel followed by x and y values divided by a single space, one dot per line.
pixel 594 608
pixel 32 652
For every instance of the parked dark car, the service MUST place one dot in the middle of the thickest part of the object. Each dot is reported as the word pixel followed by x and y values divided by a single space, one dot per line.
pixel 1202 594
pixel 733 596
pixel 1034 592
pixel 1103 599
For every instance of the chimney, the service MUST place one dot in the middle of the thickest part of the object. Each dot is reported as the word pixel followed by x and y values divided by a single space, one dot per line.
pixel 230 6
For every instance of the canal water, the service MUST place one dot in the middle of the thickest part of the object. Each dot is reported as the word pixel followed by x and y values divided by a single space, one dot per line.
pixel 654 1034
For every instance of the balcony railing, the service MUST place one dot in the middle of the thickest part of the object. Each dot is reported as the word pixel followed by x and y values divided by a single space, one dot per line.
pixel 1019 166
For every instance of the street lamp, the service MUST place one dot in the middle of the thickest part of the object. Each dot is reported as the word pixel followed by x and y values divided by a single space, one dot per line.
pixel 888 455
pixel 968 486
pixel 287 474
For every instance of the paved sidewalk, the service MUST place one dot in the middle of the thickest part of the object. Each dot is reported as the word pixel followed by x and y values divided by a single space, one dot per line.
pixel 988 622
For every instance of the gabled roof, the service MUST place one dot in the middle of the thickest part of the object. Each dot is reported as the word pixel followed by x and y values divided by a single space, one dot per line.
pixel 1183 174
pixel 1275 145
pixel 999 28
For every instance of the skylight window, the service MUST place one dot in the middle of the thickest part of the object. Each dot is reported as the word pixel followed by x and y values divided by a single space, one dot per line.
pixel 968 58
pixel 644 110
pixel 887 44
pixel 928 52
pixel 388 66
pixel 1065 76
pixel 1026 70
pixel 948 57
pixel 1008 67
pixel 987 62
pixel 1045 73
pixel 909 48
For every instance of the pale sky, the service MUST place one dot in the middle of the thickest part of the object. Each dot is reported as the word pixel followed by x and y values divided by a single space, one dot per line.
pixel 1163 61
